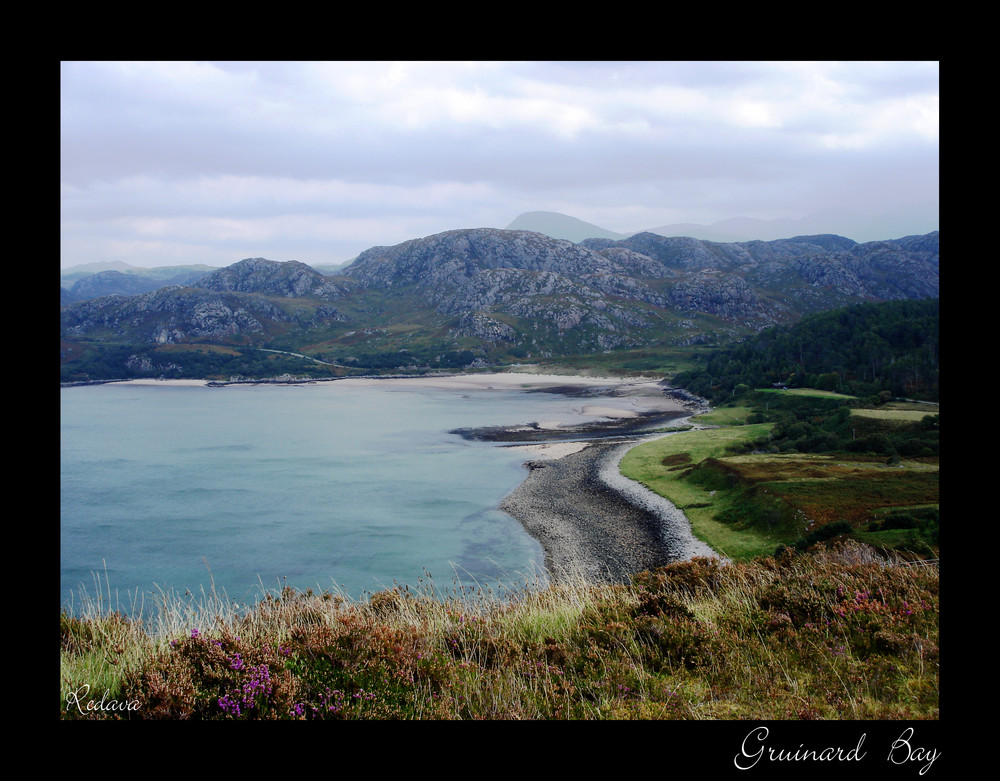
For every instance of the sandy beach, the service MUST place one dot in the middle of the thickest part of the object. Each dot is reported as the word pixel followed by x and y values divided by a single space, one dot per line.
pixel 636 393
pixel 154 381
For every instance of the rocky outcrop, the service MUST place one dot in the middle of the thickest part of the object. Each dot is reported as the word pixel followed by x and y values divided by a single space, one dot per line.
pixel 453 258
pixel 505 287
pixel 288 279
pixel 484 328
pixel 172 314
pixel 728 295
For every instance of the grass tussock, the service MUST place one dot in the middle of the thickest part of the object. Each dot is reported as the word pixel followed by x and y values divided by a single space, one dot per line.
pixel 831 633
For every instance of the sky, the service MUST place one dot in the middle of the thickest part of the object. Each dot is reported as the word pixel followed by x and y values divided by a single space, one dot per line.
pixel 178 163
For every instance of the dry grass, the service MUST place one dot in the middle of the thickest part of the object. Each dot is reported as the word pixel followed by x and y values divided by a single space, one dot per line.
pixel 838 633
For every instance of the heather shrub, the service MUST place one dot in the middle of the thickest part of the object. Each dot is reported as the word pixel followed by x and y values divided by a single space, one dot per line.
pixel 473 639
pixel 822 533
pixel 699 576
pixel 220 676
pixel 796 599
pixel 836 632
pixel 667 640
pixel 358 667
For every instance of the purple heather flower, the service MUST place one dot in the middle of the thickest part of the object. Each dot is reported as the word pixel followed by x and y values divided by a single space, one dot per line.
pixel 229 705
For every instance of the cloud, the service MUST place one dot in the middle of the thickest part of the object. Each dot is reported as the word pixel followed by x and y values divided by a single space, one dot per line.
pixel 325 159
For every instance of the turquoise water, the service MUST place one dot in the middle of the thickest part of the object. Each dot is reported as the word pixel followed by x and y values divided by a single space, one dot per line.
pixel 171 488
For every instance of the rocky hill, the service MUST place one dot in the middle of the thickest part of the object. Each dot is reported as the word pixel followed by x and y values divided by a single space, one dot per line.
pixel 176 314
pixel 290 279
pixel 506 295
pixel 752 283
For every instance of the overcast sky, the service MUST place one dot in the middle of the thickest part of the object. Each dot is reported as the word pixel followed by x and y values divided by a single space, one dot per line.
pixel 166 163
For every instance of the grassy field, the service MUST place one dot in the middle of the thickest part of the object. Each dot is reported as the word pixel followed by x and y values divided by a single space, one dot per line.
pixel 736 415
pixel 660 465
pixel 807 392
pixel 747 505
pixel 895 414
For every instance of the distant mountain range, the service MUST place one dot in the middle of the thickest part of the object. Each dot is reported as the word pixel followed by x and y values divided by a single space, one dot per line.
pixel 842 222
pixel 561 226
pixel 92 280
pixel 488 295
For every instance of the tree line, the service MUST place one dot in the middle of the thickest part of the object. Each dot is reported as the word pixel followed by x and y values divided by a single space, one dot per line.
pixel 864 350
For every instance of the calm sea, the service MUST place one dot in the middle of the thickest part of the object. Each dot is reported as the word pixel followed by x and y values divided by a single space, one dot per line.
pixel 171 488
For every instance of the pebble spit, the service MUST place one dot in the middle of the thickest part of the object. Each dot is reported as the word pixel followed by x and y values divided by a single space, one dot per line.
pixel 595 524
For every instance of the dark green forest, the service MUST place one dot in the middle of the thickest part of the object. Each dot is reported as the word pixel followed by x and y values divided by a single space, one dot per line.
pixel 863 350
pixel 818 425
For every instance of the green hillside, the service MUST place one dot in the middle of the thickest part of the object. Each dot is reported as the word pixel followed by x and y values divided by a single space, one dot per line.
pixel 861 350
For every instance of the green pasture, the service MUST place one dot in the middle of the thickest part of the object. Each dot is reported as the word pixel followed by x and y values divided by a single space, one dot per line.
pixel 806 392
pixel 905 415
pixel 745 506
pixel 660 464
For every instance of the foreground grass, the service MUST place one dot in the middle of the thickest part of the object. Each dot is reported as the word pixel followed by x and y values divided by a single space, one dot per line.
pixel 833 633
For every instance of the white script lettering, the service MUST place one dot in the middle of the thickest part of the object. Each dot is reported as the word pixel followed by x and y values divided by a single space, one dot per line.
pixel 746 759
pixel 104 704
pixel 902 751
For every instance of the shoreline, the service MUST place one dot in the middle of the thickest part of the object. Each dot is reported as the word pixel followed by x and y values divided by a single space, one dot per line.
pixel 488 380
pixel 591 521
pixel 594 523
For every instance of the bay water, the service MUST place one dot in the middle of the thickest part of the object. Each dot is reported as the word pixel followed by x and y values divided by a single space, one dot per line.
pixel 177 489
